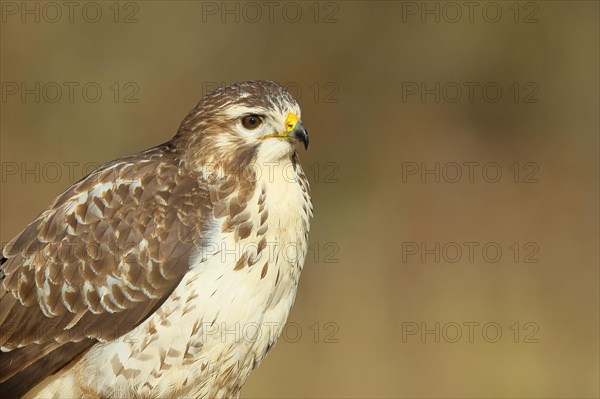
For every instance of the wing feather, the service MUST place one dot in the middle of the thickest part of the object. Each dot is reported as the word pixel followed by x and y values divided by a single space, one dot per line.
pixel 97 262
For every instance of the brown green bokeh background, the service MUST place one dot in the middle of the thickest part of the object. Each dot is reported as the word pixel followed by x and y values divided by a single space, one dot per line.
pixel 360 123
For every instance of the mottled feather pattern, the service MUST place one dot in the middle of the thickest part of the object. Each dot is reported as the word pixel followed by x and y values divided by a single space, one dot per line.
pixel 105 246
pixel 118 288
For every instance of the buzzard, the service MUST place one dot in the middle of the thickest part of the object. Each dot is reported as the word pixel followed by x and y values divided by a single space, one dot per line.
pixel 168 273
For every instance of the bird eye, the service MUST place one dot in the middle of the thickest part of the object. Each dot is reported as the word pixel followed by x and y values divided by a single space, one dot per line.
pixel 251 122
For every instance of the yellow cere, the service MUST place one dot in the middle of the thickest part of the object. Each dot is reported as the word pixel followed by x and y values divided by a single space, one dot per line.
pixel 290 123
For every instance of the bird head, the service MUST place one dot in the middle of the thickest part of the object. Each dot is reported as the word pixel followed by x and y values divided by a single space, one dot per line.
pixel 253 121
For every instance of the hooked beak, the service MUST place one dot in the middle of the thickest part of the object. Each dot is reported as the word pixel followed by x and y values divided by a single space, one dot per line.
pixel 300 133
pixel 295 130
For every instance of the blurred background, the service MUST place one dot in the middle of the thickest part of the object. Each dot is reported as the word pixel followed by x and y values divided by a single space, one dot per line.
pixel 453 163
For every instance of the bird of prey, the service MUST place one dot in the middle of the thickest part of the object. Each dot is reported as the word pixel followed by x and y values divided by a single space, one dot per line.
pixel 168 273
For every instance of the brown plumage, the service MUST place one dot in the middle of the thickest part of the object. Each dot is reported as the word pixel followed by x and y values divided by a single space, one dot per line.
pixel 106 255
